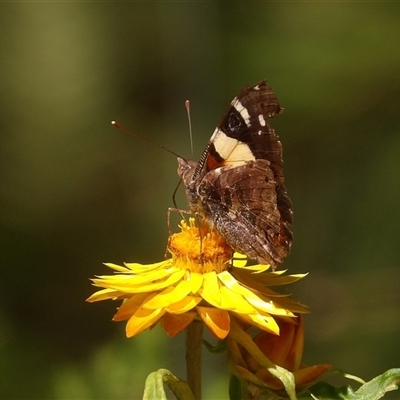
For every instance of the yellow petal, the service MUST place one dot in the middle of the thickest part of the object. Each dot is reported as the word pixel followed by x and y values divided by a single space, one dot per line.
pixel 196 281
pixel 171 294
pixel 137 284
pixel 176 323
pixel 235 302
pixel 260 282
pixel 159 299
pixel 127 282
pixel 255 300
pixel 105 294
pixel 250 280
pixel 116 267
pixel 210 290
pixel 137 268
pixel 229 281
pixel 173 278
pixel 239 260
pixel 141 320
pixel 264 322
pixel 184 305
pixel 292 305
pixel 217 321
pixel 270 307
pixel 130 306
pixel 257 269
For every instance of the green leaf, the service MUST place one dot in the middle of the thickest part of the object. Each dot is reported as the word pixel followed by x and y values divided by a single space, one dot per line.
pixel 324 391
pixel 377 387
pixel 154 386
pixel 373 390
pixel 287 378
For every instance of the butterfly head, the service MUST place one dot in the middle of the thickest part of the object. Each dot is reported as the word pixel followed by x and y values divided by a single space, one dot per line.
pixel 187 172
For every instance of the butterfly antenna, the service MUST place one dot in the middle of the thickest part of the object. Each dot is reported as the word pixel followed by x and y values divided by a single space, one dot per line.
pixel 187 106
pixel 122 128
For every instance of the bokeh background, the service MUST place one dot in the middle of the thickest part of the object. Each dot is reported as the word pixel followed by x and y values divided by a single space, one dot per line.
pixel 75 192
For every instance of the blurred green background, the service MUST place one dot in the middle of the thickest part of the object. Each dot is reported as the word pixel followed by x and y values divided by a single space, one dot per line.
pixel 76 192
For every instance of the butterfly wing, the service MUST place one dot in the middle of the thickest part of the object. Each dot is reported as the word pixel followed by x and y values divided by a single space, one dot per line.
pixel 237 185
pixel 241 201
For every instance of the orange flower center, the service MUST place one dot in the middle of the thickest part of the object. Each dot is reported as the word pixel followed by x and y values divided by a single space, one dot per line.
pixel 199 249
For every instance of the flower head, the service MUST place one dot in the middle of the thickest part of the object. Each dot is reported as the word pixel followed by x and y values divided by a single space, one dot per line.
pixel 200 279
pixel 284 350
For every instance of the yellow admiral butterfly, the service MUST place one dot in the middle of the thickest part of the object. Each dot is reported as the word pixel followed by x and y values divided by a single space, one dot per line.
pixel 237 185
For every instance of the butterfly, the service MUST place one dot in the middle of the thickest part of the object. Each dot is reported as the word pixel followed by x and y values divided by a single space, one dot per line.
pixel 237 184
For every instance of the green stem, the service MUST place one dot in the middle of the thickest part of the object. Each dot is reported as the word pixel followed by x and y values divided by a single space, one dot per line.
pixel 194 338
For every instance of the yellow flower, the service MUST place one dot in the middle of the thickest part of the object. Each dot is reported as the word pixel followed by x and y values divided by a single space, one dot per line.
pixel 201 279
pixel 285 351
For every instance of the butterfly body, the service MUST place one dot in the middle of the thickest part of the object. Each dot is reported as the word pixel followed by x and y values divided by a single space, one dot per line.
pixel 237 185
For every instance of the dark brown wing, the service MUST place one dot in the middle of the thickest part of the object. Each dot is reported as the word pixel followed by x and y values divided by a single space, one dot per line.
pixel 238 182
pixel 246 122
pixel 242 203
